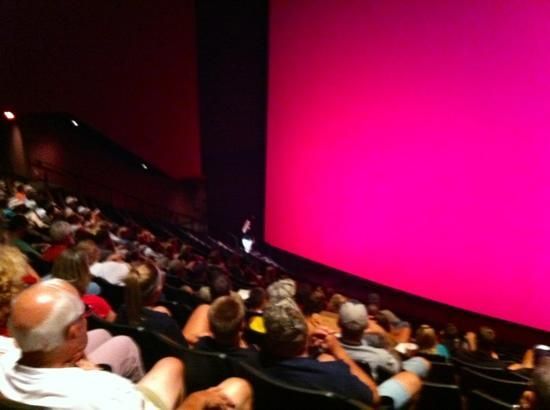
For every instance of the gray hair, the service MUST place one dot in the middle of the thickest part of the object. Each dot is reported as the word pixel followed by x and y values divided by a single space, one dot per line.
pixel 286 329
pixel 282 289
pixel 60 230
pixel 50 333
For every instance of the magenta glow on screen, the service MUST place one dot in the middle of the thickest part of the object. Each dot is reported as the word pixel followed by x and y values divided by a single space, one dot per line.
pixel 409 144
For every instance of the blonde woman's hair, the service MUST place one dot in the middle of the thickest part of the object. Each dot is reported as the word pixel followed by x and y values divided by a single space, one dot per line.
pixel 141 283
pixel 72 266
pixel 13 267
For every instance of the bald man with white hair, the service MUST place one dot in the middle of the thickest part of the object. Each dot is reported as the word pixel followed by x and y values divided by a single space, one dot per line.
pixel 49 324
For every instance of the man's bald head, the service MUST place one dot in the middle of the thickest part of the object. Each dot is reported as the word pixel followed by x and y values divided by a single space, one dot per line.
pixel 40 315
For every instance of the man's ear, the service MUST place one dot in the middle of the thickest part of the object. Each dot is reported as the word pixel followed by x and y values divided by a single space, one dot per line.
pixel 527 400
pixel 73 331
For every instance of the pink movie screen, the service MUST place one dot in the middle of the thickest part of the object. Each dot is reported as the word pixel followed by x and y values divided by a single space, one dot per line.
pixel 409 144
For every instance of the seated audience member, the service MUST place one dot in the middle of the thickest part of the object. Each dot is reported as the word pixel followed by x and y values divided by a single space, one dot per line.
pixel 197 325
pixel 119 353
pixel 17 229
pixel 482 351
pixel 112 271
pixel 335 303
pixel 283 289
pixel 16 235
pixel 451 339
pixel 287 359
pixel 61 235
pixel 12 281
pixel 49 325
pixel 373 304
pixel 72 266
pixel 426 339
pixel 255 305
pixel 226 320
pixel 538 396
pixel 142 292
pixel 399 329
pixel 353 321
pixel 256 301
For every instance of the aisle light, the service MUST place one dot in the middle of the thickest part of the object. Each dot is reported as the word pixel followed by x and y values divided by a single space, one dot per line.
pixel 9 115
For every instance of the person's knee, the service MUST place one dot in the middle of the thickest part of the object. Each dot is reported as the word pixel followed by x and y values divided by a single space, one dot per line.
pixel 410 381
pixel 238 390
pixel 417 365
pixel 172 363
pixel 100 333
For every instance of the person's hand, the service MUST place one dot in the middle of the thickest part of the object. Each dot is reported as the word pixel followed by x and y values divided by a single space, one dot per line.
pixel 332 345
pixel 317 338
pixel 85 364
pixel 472 340
pixel 211 399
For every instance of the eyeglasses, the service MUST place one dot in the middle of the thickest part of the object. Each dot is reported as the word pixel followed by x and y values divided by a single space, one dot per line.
pixel 88 311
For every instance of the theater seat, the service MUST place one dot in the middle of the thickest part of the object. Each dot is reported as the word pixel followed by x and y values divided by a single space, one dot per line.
pixel 205 369
pixel 437 396
pixel 272 394
pixel 111 293
pixel 504 390
pixel 15 405
pixel 444 373
pixel 434 358
pixel 478 400
pixel 152 345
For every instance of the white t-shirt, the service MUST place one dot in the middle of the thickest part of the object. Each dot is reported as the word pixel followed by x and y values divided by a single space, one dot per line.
pixel 113 272
pixel 70 388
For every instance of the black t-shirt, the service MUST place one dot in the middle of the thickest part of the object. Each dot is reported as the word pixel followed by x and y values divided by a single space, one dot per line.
pixel 249 354
pixel 309 373
pixel 156 321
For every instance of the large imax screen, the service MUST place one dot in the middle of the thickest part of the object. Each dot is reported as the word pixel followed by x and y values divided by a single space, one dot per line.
pixel 409 144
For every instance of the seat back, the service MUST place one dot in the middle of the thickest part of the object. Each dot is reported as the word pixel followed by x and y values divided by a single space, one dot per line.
pixel 496 372
pixel 434 358
pixel 269 394
pixel 153 346
pixel 111 293
pixel 180 311
pixel 435 396
pixel 178 295
pixel 478 400
pixel 205 369
pixel 444 373
pixel 15 405
pixel 504 390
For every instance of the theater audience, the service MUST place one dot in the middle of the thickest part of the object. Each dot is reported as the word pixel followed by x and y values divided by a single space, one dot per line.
pixel 287 346
pixel 62 238
pixel 482 349
pixel 112 270
pixel 72 266
pixel 49 326
pixel 353 321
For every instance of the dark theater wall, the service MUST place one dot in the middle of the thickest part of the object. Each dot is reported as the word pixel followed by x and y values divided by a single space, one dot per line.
pixel 128 68
pixel 232 54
